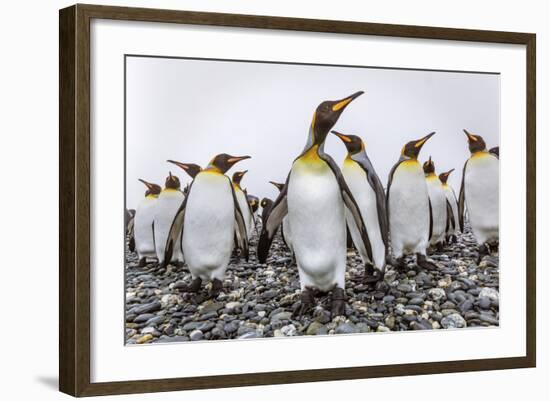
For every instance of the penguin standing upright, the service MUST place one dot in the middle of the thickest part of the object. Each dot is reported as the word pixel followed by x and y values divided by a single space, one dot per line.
pixel 209 220
pixel 254 204
pixel 452 208
pixel 408 206
pixel 144 223
pixel 314 197
pixel 285 224
pixel 167 206
pixel 479 194
pixel 438 205
pixel 371 199
pixel 243 202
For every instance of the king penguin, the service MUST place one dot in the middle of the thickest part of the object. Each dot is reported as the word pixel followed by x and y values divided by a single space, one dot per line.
pixel 438 205
pixel 144 223
pixel 314 197
pixel 254 204
pixel 452 208
pixel 368 192
pixel 408 206
pixel 209 219
pixel 167 206
pixel 243 202
pixel 285 225
pixel 479 194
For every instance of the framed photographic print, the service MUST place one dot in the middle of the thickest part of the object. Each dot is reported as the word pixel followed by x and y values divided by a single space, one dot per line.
pixel 250 200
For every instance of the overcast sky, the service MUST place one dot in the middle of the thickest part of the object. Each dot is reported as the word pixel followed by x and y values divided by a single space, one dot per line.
pixel 191 110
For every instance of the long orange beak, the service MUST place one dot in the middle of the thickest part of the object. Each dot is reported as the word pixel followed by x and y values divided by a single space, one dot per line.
pixel 341 104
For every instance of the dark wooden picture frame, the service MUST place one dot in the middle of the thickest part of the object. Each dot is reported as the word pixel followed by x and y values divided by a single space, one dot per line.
pixel 74 199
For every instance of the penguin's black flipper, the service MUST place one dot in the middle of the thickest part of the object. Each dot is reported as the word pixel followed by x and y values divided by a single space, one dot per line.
pixel 273 219
pixel 461 200
pixel 450 218
pixel 431 219
pixel 240 226
pixel 176 229
pixel 376 185
pixel 349 201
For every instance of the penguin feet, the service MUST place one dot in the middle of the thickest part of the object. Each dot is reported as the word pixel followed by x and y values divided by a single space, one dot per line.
pixel 439 246
pixel 142 262
pixel 372 275
pixel 217 287
pixel 338 306
pixel 307 302
pixel 194 287
pixel 424 263
pixel 178 264
pixel 398 264
pixel 482 251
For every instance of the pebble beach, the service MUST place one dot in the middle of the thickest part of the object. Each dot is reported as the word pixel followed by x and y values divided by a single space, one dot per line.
pixel 258 299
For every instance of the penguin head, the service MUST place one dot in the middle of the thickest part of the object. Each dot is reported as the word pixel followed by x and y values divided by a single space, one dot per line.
pixel 277 185
pixel 238 176
pixel 223 162
pixel 254 202
pixel 172 182
pixel 412 148
pixel 429 166
pixel 444 176
pixel 475 142
pixel 353 143
pixel 326 115
pixel 189 168
pixel 152 189
pixel 265 202
pixel 495 151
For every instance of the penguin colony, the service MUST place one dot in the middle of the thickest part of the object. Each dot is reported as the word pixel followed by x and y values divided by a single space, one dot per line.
pixel 319 206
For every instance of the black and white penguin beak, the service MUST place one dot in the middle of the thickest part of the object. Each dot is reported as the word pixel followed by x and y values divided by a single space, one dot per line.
pixel 418 145
pixel 340 105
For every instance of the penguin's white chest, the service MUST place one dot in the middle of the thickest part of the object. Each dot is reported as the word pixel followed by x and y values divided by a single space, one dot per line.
pixel 438 203
pixel 316 215
pixel 245 210
pixel 481 185
pixel 167 206
pixel 451 198
pixel 209 226
pixel 143 227
pixel 409 209
pixel 365 197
